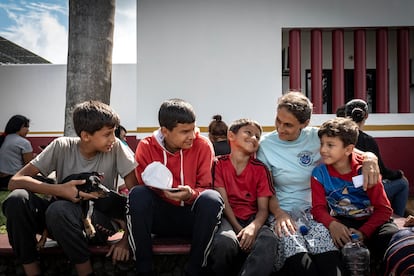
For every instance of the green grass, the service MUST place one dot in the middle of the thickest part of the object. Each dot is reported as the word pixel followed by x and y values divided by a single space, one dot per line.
pixel 3 195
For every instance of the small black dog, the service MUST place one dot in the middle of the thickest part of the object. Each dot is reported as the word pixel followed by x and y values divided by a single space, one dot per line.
pixel 94 185
pixel 110 203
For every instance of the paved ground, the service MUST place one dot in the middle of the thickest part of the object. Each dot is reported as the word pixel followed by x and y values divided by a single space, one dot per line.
pixel 166 265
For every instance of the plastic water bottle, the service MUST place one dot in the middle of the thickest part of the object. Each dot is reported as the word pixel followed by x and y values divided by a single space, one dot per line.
pixel 302 222
pixel 356 257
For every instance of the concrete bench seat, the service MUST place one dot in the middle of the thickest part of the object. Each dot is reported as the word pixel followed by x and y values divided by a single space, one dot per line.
pixel 161 246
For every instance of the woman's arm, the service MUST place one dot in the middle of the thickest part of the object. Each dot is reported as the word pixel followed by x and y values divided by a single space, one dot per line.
pixel 284 224
pixel 370 169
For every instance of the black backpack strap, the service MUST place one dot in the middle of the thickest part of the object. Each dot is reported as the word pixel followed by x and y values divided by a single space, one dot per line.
pixel 213 170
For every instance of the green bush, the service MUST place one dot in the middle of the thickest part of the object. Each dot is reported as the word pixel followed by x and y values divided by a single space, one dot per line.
pixel 3 195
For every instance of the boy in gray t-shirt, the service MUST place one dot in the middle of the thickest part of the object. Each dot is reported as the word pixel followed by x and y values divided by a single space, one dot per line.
pixel 96 149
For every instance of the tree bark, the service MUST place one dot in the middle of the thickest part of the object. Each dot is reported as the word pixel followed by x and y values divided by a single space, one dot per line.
pixel 89 67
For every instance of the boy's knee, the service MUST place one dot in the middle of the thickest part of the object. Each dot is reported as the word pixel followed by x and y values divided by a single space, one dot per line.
pixel 210 198
pixel 15 202
pixel 139 196
pixel 267 234
pixel 225 244
pixel 59 210
pixel 266 240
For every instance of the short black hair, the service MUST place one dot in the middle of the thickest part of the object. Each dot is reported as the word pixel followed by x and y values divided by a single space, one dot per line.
pixel 238 124
pixel 175 111
pixel 340 111
pixel 344 128
pixel 118 131
pixel 91 116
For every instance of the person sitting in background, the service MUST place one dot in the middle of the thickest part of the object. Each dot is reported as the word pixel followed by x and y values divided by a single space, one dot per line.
pixel 121 133
pixel 395 183
pixel 217 133
pixel 15 150
pixel 338 198
pixel 340 111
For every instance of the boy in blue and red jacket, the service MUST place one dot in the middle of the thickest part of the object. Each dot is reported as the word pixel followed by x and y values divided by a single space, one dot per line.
pixel 338 199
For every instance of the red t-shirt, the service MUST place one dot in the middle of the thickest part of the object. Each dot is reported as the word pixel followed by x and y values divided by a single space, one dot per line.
pixel 244 189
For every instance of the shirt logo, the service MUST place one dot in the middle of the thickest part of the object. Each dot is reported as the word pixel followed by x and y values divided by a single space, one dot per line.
pixel 305 158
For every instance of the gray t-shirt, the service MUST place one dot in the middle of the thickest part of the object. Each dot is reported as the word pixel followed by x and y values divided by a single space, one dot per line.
pixel 63 156
pixel 11 153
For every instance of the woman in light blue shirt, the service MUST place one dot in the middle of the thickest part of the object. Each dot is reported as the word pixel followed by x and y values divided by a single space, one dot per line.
pixel 291 152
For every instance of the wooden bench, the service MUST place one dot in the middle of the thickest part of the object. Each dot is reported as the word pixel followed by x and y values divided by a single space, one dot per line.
pixel 161 246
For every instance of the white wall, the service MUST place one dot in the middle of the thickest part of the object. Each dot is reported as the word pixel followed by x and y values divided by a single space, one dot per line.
pixel 223 56
pixel 35 91
pixel 39 93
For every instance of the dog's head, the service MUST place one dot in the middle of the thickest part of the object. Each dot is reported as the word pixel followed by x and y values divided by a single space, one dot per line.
pixel 93 183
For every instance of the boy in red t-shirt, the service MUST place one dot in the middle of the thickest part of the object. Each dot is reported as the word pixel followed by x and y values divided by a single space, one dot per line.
pixel 245 186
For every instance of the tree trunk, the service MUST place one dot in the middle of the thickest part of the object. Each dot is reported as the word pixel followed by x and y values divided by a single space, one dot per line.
pixel 89 68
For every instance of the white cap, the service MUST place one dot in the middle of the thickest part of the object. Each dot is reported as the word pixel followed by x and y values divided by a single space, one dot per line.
pixel 157 175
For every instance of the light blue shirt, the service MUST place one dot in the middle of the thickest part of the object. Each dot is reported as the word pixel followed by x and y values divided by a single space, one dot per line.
pixel 291 164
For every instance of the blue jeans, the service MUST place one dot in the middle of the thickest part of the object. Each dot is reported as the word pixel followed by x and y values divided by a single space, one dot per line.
pixel 397 193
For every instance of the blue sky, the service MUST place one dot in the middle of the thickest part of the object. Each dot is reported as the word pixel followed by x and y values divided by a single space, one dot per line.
pixel 42 27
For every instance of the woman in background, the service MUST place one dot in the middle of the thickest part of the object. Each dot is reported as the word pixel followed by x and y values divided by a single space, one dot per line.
pixel 121 133
pixel 395 183
pixel 217 133
pixel 15 150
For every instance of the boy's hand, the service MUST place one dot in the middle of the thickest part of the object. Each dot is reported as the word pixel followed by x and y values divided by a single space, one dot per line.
pixel 183 194
pixel 119 251
pixel 340 233
pixel 359 233
pixel 246 237
pixel 69 191
pixel 284 225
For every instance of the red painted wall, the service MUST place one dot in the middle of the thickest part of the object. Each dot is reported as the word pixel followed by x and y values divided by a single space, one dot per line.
pixel 37 142
pixel 398 153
